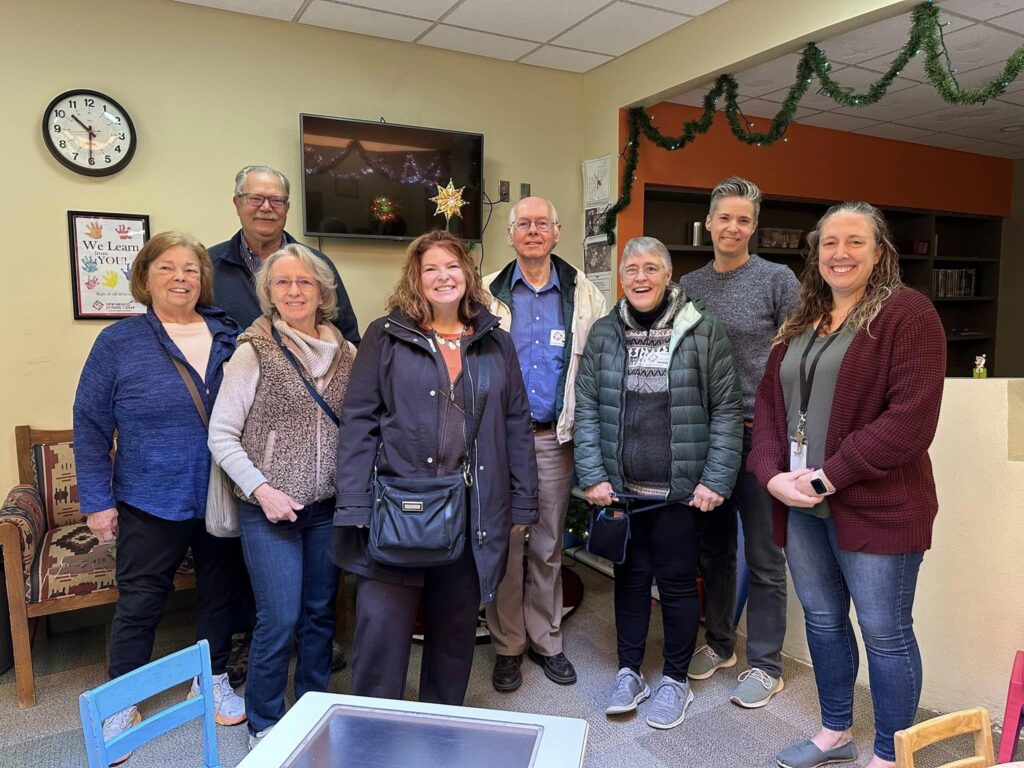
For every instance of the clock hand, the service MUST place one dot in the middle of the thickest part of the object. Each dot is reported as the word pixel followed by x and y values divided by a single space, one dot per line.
pixel 75 118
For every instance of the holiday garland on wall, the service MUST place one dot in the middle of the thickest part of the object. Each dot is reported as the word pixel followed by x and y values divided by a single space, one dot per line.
pixel 925 37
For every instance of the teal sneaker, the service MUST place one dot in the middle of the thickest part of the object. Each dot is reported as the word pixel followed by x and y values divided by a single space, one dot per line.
pixel 705 662
pixel 756 688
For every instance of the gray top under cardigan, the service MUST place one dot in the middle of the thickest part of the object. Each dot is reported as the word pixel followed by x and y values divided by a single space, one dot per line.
pixel 819 408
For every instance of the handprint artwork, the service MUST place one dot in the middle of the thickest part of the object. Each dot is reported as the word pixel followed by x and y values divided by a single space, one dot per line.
pixel 109 279
pixel 92 282
pixel 94 230
pixel 89 264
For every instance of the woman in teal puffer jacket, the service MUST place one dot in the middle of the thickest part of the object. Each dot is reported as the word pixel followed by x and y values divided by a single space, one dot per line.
pixel 658 414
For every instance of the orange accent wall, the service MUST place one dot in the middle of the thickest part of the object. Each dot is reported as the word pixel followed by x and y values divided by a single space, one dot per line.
pixel 817 163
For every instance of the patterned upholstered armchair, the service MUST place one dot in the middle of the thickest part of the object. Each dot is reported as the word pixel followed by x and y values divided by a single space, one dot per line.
pixel 52 561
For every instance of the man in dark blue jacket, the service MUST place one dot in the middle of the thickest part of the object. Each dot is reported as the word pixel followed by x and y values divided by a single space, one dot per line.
pixel 261 200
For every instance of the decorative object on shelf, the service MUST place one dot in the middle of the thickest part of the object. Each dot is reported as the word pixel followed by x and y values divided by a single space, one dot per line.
pixel 925 36
pixel 979 368
pixel 697 235
pixel 779 237
pixel 449 201
pixel 103 249
pixel 89 132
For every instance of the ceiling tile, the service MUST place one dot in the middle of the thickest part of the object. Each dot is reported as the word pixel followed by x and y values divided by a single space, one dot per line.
pixel 1012 21
pixel 272 9
pixel 859 80
pixel 538 20
pixel 421 9
pixel 894 131
pixel 768 109
pixel 883 38
pixel 967 116
pixel 979 45
pixel 897 107
pixel 836 121
pixel 565 58
pixel 619 28
pixel 768 77
pixel 945 140
pixel 979 9
pixel 480 43
pixel 994 149
pixel 689 7
pixel 992 130
pixel 375 23
pixel 984 75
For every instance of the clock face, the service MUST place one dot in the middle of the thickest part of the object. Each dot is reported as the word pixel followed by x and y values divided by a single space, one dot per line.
pixel 89 132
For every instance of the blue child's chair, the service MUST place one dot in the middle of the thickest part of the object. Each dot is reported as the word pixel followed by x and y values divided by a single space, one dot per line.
pixel 140 684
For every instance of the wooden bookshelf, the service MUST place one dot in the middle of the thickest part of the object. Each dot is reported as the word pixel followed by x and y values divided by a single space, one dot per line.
pixel 928 241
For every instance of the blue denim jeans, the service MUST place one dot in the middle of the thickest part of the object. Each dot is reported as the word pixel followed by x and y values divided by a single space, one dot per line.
pixel 882 589
pixel 295 585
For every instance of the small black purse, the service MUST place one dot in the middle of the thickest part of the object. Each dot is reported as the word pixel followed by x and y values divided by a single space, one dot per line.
pixel 609 532
pixel 421 522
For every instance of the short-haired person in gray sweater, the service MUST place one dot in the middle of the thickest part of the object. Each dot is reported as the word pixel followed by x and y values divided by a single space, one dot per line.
pixel 752 297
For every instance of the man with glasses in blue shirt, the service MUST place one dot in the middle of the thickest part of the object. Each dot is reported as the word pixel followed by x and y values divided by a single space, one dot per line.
pixel 261 201
pixel 548 306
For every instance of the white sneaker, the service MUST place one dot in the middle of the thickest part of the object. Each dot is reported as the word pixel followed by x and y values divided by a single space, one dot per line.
pixel 117 724
pixel 256 738
pixel 228 706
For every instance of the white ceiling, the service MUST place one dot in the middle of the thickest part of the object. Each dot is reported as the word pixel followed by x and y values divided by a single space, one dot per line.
pixel 582 34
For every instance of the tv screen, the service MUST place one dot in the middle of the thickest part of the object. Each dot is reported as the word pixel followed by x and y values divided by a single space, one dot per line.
pixel 372 179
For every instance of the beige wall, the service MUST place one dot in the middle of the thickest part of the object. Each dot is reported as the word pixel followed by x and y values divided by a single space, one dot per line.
pixel 969 611
pixel 210 91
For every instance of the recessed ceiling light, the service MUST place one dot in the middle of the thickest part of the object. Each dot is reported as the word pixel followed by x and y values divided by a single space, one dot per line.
pixel 847 89
pixel 1014 128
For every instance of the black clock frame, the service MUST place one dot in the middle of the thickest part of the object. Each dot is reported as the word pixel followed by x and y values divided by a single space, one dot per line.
pixel 106 170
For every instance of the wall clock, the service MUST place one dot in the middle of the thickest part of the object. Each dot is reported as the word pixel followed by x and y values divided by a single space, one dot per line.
pixel 89 132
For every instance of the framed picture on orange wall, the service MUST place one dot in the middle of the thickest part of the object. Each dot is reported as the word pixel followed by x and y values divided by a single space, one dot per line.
pixel 103 249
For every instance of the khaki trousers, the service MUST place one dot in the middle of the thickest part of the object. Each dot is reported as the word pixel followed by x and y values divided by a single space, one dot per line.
pixel 527 609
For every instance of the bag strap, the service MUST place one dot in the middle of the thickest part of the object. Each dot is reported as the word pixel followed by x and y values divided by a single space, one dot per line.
pixel 187 378
pixel 484 378
pixel 290 356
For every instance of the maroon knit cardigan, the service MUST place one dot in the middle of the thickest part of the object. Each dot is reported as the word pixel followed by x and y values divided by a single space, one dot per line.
pixel 884 413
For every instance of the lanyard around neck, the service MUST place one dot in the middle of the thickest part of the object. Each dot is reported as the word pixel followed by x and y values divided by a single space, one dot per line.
pixel 807 376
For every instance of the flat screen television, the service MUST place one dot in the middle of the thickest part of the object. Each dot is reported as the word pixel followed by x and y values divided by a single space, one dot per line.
pixel 375 180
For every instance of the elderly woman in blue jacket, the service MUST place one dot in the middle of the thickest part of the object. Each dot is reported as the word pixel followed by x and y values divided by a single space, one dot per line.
pixel 657 355
pixel 413 404
pixel 150 495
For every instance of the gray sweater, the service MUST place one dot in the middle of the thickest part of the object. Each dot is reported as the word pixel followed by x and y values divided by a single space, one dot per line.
pixel 751 301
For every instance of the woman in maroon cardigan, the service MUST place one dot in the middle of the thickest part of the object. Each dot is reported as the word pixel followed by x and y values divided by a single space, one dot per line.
pixel 844 416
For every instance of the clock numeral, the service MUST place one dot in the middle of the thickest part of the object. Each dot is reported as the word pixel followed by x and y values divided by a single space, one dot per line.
pixel 60 113
pixel 90 102
pixel 106 158
pixel 92 161
pixel 72 104
pixel 63 144
pixel 120 136
pixel 74 156
pixel 117 148
pixel 56 128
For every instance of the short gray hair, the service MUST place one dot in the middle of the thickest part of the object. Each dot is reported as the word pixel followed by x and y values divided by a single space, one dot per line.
pixel 736 186
pixel 328 310
pixel 646 245
pixel 513 214
pixel 243 174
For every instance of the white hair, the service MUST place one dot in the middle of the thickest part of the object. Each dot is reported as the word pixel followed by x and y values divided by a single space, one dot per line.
pixel 514 213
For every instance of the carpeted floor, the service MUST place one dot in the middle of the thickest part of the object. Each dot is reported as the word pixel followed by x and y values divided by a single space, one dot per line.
pixel 716 734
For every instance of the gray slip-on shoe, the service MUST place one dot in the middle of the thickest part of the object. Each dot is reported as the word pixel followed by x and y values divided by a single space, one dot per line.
pixel 806 754
pixel 630 689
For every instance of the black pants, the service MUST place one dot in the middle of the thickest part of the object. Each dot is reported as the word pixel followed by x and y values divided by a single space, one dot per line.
pixel 149 551
pixel 664 545
pixel 386 617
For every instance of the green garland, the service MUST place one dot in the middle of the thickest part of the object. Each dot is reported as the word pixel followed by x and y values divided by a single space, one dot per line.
pixel 925 35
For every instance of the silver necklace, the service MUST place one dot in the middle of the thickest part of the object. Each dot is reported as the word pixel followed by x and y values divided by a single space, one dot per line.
pixel 456 344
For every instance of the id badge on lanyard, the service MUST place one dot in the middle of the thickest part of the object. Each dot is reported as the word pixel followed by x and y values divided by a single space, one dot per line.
pixel 798 440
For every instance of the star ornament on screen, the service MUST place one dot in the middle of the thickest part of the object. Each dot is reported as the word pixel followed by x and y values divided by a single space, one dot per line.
pixel 449 201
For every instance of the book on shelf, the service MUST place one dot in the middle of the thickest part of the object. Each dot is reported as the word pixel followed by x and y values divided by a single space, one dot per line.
pixel 953 283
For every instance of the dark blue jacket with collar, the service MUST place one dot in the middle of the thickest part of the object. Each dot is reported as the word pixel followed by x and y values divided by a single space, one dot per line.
pixel 392 394
pixel 234 292
pixel 129 384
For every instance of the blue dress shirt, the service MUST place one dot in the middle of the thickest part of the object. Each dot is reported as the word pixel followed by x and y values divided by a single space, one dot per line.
pixel 538 330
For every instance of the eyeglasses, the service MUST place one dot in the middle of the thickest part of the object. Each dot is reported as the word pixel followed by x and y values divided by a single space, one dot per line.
pixel 542 225
pixel 283 283
pixel 650 270
pixel 256 201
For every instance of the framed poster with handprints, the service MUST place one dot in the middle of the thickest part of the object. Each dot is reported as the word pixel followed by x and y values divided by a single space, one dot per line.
pixel 103 249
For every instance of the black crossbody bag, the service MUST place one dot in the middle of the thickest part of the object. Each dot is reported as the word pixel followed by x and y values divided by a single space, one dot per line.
pixel 421 522
pixel 608 534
